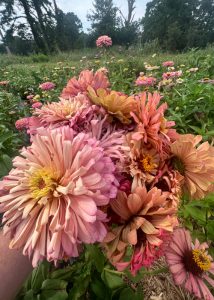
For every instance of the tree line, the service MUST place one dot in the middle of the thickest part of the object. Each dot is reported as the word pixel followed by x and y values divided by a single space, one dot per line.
pixel 40 26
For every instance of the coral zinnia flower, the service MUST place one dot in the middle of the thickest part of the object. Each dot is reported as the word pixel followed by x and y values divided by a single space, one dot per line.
pixel 143 215
pixel 190 264
pixel 62 111
pixel 143 160
pixel 86 78
pixel 195 163
pixel 118 106
pixel 152 126
pixel 53 194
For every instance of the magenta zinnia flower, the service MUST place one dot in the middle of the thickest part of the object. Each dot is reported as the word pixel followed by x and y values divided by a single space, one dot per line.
pixel 53 194
pixel 46 86
pixel 190 264
pixel 104 41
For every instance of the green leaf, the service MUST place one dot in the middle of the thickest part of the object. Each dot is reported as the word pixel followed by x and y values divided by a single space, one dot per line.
pixel 210 230
pixel 129 294
pixel 54 284
pixel 97 256
pixel 38 275
pixel 112 279
pixel 64 274
pixel 196 213
pixel 79 289
pixel 53 295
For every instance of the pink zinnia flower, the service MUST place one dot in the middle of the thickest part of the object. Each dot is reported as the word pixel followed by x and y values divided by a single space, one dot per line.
pixel 36 105
pixel 86 78
pixel 46 86
pixel 168 63
pixel 22 123
pixel 4 83
pixel 53 195
pixel 64 111
pixel 145 81
pixel 104 41
pixel 190 264
pixel 30 97
pixel 174 74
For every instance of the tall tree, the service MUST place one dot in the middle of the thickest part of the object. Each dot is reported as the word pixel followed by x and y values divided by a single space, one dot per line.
pixel 165 19
pixel 104 18
pixel 128 30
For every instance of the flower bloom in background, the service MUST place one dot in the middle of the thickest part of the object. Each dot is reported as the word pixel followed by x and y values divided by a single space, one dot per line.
pixel 104 41
pixel 52 195
pixel 47 86
pixel 145 81
pixel 36 105
pixel 30 97
pixel 151 68
pixel 4 83
pixel 195 162
pixel 174 74
pixel 190 264
pixel 86 78
pixel 192 70
pixel 168 63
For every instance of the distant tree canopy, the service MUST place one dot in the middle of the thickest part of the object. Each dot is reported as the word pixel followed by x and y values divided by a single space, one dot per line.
pixel 33 26
pixel 179 24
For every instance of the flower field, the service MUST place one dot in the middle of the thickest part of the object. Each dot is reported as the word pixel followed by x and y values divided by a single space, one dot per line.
pixel 107 173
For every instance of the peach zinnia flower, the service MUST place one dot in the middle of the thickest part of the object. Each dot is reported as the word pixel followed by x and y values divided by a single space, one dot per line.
pixel 142 160
pixel 195 163
pixel 53 195
pixel 62 111
pixel 152 126
pixel 86 78
pixel 190 264
pixel 118 106
pixel 143 216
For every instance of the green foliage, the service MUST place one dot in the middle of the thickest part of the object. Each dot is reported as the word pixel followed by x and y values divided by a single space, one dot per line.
pixel 179 24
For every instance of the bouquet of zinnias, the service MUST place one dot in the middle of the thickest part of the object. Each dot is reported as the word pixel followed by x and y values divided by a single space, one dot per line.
pixel 109 168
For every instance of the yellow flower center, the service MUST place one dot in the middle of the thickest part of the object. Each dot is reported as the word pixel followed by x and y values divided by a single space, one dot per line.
pixel 147 163
pixel 201 259
pixel 41 183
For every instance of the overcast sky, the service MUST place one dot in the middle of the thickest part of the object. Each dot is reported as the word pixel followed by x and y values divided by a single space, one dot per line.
pixel 82 7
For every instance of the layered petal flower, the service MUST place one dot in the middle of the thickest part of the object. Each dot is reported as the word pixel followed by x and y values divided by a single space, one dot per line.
pixel 195 162
pixel 190 264
pixel 117 105
pixel 86 78
pixel 152 127
pixel 143 218
pixel 53 193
